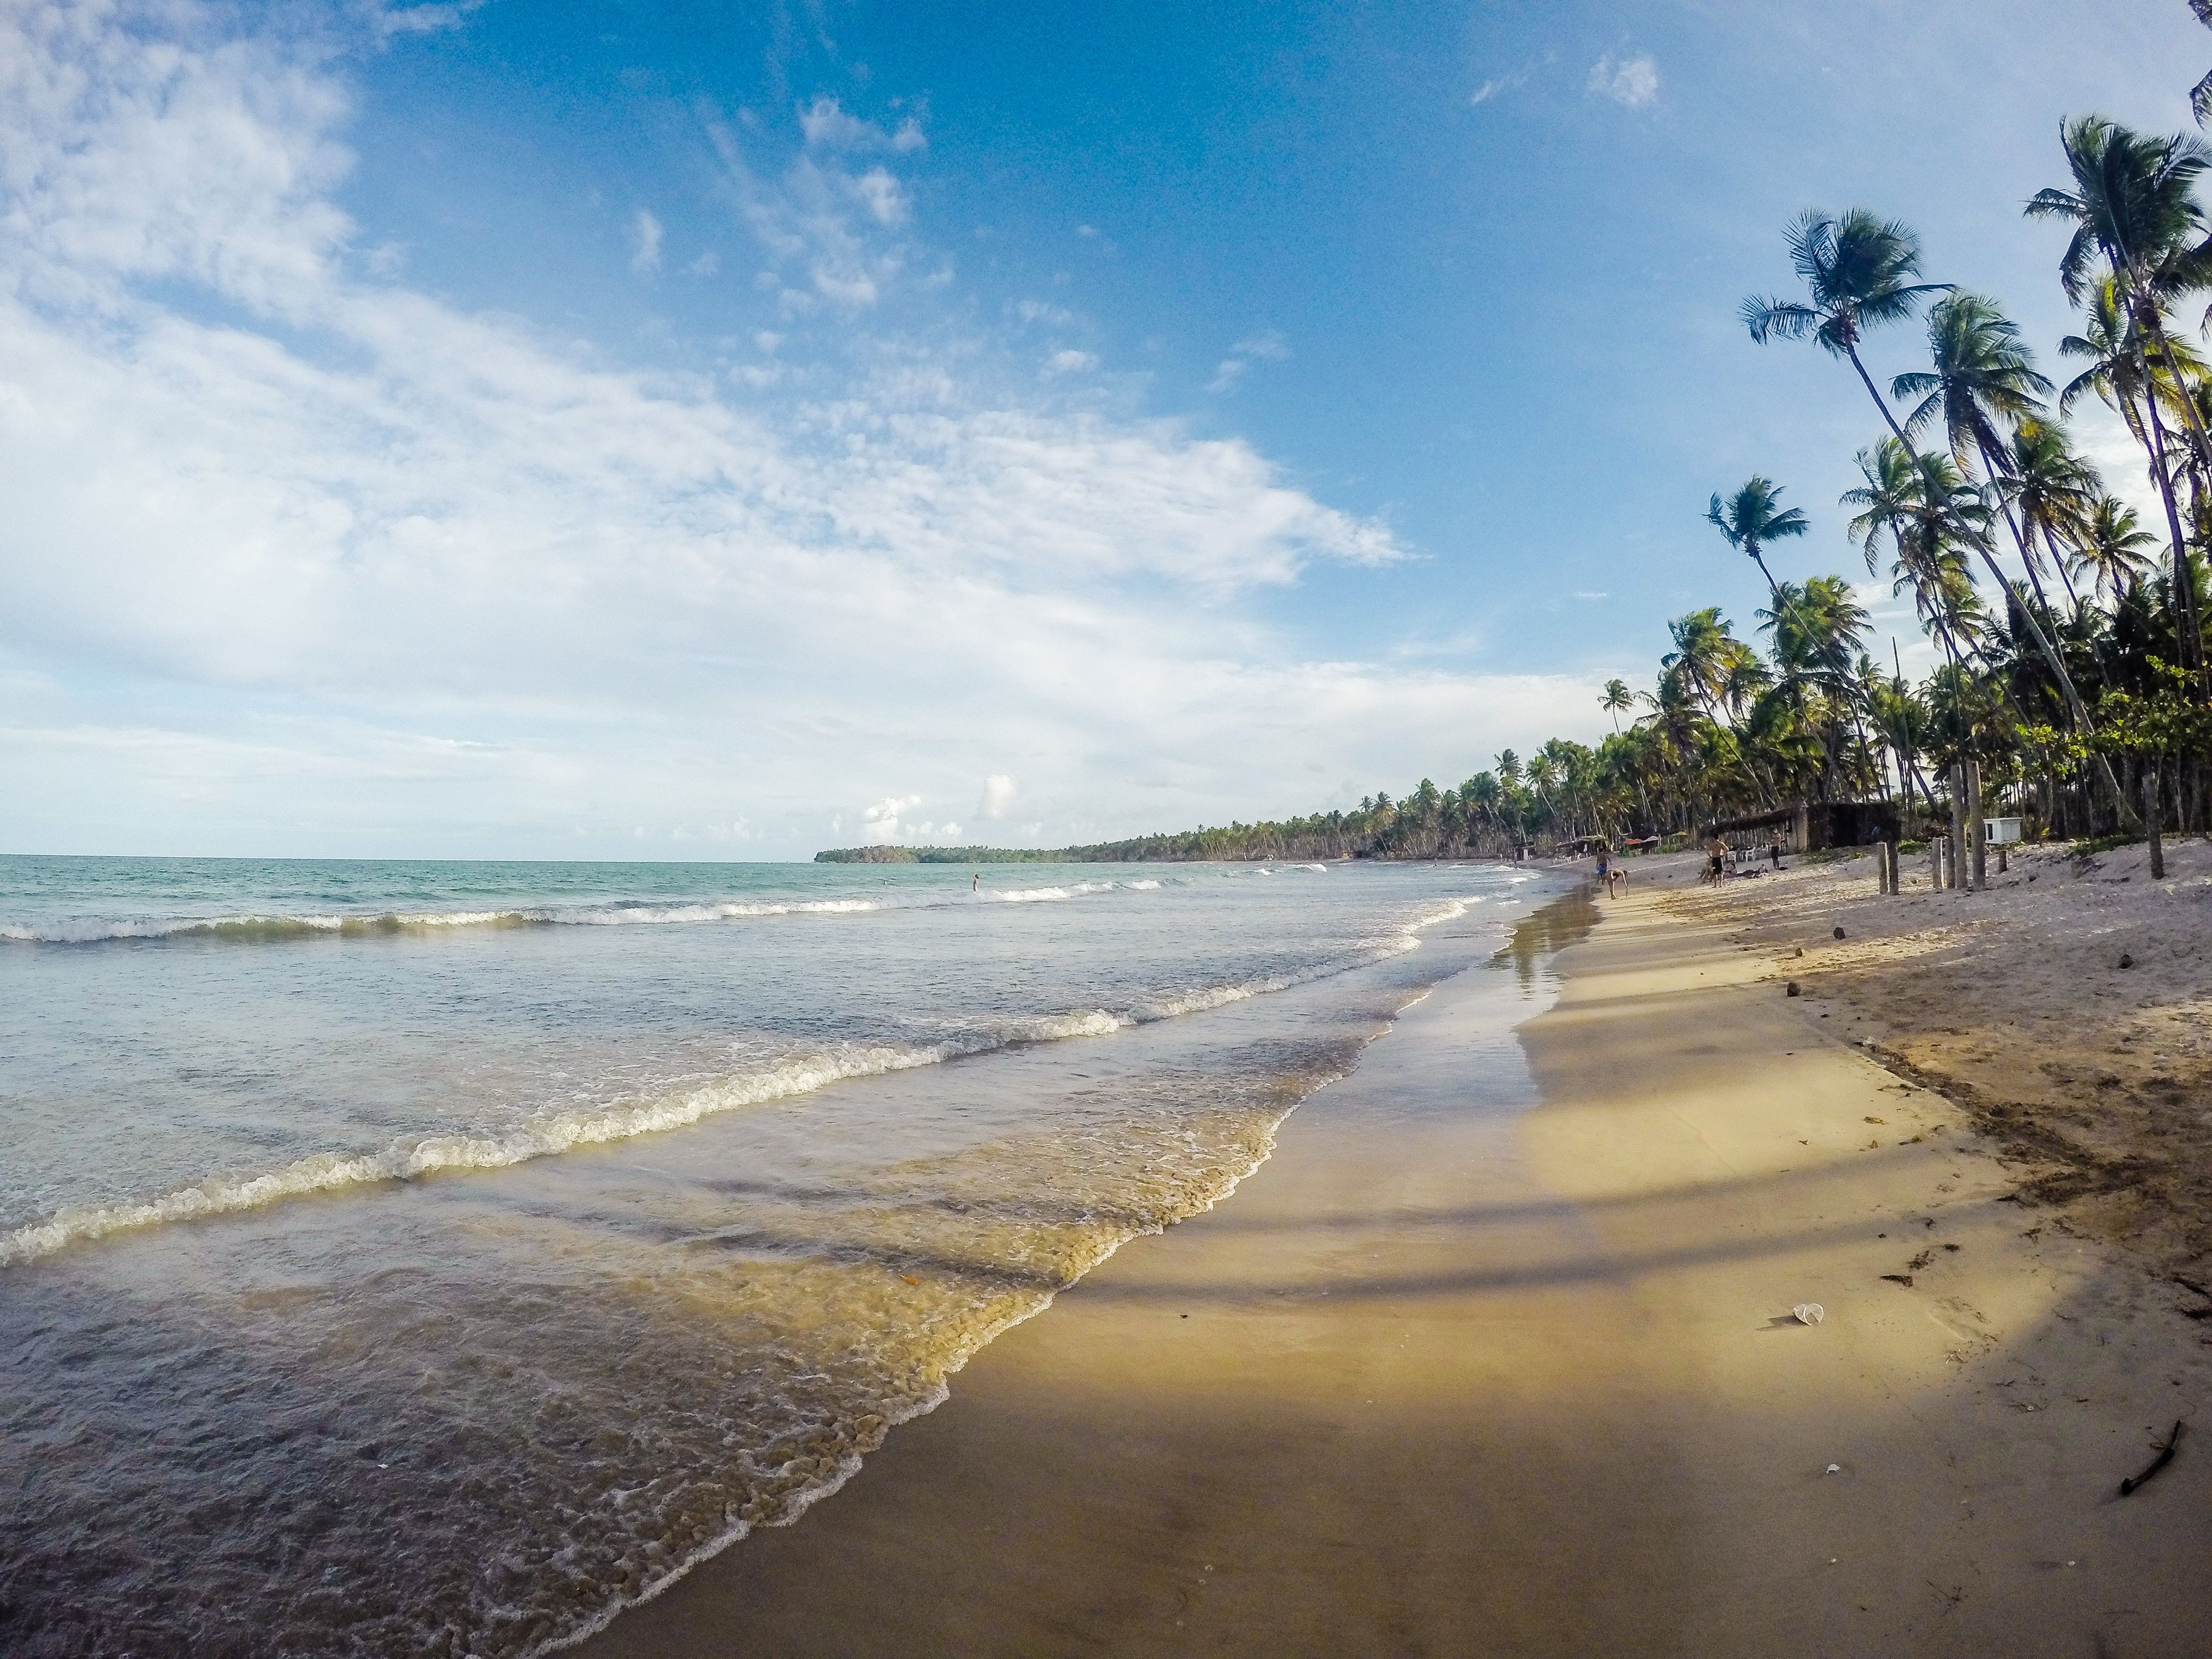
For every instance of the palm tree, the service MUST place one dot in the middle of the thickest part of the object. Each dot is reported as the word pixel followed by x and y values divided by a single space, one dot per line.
pixel 1921 501
pixel 2134 212
pixel 1855 270
pixel 1704 649
pixel 1817 628
pixel 2052 490
pixel 2200 100
pixel 1982 386
pixel 1752 517
pixel 1617 696
pixel 2112 552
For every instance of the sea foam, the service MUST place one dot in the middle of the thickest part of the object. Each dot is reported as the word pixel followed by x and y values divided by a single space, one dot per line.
pixel 551 1132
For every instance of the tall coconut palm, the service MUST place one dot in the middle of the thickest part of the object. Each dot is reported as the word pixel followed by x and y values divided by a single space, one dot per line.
pixel 1856 271
pixel 2135 219
pixel 1754 516
pixel 1981 386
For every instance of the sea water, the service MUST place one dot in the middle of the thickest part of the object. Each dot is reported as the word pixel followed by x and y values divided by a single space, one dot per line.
pixel 433 1258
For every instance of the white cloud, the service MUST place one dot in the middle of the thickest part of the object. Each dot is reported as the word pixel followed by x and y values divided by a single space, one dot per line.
pixel 877 191
pixel 296 562
pixel 999 792
pixel 423 20
pixel 835 224
pixel 1070 363
pixel 1632 82
pixel 1267 344
pixel 880 822
pixel 644 243
pixel 705 265
pixel 827 126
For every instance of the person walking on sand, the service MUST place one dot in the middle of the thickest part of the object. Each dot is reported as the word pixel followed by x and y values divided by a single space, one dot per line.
pixel 1774 852
pixel 1605 868
pixel 1716 852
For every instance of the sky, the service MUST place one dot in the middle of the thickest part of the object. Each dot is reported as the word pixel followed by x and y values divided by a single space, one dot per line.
pixel 674 431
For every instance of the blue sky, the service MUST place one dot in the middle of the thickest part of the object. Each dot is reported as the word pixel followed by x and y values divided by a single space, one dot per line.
pixel 671 430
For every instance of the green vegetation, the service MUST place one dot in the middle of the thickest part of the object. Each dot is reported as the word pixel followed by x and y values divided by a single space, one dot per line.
pixel 887 855
pixel 2080 687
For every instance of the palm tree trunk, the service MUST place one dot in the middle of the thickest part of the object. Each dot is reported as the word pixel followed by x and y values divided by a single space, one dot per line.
pixel 2184 580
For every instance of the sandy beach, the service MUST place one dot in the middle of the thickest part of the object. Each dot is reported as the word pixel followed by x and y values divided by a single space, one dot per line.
pixel 1495 1355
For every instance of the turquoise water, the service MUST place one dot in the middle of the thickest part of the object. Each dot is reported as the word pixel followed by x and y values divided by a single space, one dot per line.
pixel 428 1258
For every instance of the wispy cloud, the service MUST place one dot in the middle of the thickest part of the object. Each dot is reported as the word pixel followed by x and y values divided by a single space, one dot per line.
pixel 1632 82
pixel 1498 86
pixel 1267 344
pixel 826 126
pixel 644 233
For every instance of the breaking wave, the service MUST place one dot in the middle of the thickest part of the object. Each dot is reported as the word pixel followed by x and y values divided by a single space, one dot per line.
pixel 551 1132
pixel 277 929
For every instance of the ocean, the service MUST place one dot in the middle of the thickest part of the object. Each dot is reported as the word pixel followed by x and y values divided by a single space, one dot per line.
pixel 413 1258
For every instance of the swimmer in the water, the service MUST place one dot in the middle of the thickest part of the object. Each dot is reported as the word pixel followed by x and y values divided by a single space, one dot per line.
pixel 978 886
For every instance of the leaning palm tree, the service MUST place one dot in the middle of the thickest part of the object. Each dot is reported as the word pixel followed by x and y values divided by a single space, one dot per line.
pixel 1856 271
pixel 1752 517
pixel 2135 219
pixel 1981 386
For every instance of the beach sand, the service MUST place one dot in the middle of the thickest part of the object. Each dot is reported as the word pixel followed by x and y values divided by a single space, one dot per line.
pixel 1449 1375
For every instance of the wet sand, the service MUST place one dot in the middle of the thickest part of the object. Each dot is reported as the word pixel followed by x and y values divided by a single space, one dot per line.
pixel 1449 1375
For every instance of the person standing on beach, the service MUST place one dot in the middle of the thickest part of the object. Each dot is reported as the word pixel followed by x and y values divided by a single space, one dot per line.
pixel 1716 852
pixel 1605 868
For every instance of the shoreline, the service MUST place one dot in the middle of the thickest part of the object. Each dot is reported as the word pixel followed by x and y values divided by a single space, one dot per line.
pixel 1460 1372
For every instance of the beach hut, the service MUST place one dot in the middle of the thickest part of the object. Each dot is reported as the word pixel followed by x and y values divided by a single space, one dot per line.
pixel 1810 826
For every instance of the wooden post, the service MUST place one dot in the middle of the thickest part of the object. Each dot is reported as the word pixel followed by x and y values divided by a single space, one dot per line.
pixel 1882 866
pixel 1896 870
pixel 2154 810
pixel 1978 857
